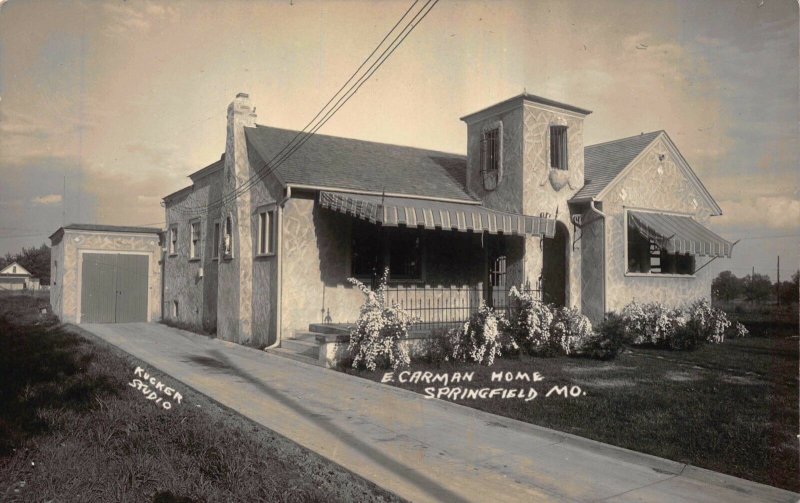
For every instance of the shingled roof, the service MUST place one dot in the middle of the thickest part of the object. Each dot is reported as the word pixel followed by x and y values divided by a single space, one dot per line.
pixel 604 161
pixel 343 163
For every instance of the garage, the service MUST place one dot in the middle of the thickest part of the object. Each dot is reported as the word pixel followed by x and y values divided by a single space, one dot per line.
pixel 113 288
pixel 106 274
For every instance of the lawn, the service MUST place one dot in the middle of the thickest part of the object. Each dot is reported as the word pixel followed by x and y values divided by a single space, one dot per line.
pixel 731 407
pixel 71 429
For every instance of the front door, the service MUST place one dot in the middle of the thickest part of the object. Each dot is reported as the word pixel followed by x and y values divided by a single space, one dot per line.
pixel 554 267
pixel 496 282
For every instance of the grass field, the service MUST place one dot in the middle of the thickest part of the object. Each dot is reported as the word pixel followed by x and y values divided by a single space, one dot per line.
pixel 731 407
pixel 71 429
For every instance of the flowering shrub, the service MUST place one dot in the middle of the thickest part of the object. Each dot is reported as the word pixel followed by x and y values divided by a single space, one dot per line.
pixel 529 322
pixel 376 340
pixel 542 329
pixel 479 339
pixel 570 330
pixel 683 328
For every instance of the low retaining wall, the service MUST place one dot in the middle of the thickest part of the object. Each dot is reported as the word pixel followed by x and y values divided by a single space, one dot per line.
pixel 333 347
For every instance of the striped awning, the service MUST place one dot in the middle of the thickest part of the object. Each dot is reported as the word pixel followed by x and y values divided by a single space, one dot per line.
pixel 680 234
pixel 428 214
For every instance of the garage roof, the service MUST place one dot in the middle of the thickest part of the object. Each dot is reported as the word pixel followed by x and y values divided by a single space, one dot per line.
pixel 105 228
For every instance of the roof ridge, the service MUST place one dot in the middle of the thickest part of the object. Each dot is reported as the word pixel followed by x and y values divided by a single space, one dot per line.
pixel 363 141
pixel 626 138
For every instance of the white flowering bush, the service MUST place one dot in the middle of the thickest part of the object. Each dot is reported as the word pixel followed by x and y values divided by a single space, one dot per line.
pixel 570 331
pixel 377 338
pixel 684 328
pixel 479 339
pixel 530 321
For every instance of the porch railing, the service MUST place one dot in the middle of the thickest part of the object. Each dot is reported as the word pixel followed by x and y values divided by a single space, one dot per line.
pixel 449 306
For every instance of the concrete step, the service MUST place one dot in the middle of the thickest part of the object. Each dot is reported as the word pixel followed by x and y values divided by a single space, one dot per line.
pixel 300 335
pixel 322 328
pixel 308 348
pixel 287 353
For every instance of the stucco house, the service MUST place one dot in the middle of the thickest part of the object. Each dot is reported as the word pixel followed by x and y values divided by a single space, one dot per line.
pixel 593 227
pixel 15 277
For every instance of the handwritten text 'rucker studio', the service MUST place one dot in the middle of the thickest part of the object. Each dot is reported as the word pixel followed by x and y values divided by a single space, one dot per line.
pixel 152 389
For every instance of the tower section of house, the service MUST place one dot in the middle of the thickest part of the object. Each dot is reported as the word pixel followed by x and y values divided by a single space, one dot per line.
pixel 525 156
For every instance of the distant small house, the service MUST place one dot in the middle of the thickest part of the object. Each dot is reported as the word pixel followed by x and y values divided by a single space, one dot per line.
pixel 15 277
pixel 590 227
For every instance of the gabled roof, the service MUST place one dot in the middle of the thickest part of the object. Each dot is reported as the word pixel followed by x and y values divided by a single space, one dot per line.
pixel 606 163
pixel 357 165
pixel 602 163
pixel 21 271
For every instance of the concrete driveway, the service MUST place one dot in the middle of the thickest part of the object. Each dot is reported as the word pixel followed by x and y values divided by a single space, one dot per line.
pixel 423 450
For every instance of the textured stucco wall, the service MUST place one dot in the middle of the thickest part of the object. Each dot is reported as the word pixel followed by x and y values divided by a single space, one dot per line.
pixel 57 276
pixel 264 300
pixel 657 185
pixel 592 240
pixel 547 190
pixel 508 194
pixel 196 296
pixel 76 242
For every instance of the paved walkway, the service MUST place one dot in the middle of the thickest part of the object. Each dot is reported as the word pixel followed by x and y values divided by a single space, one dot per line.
pixel 422 450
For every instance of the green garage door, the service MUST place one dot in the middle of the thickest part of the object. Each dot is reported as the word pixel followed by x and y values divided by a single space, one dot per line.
pixel 114 288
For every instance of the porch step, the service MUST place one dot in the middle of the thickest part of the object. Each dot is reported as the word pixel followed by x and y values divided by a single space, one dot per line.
pixel 302 347
pixel 326 328
pixel 300 335
pixel 288 353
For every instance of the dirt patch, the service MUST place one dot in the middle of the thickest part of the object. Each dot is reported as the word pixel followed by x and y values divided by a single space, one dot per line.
pixel 679 376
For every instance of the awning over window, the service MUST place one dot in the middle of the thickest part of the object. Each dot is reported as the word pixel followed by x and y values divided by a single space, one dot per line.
pixel 395 211
pixel 680 234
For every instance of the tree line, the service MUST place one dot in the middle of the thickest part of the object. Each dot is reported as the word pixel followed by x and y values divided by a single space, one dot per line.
pixel 755 288
pixel 35 260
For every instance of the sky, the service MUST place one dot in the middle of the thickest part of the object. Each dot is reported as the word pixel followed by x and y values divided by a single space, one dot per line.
pixel 105 107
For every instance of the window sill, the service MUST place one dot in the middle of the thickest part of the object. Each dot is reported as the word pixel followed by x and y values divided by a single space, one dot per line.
pixel 215 259
pixel 195 259
pixel 264 255
pixel 172 255
pixel 653 275
pixel 227 257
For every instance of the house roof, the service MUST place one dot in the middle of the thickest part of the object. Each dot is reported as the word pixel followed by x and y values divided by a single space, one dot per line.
pixel 605 161
pixel 357 165
pixel 521 98
pixel 211 168
pixel 21 271
pixel 106 228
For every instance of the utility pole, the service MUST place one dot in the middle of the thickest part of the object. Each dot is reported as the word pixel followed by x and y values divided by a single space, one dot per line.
pixel 778 284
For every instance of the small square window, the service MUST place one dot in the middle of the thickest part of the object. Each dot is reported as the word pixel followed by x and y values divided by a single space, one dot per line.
pixel 194 242
pixel 559 156
pixel 266 232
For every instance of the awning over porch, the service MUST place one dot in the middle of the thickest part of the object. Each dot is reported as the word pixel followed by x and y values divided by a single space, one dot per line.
pixel 680 234
pixel 411 212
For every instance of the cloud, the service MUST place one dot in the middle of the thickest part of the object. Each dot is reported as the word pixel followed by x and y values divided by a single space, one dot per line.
pixel 126 18
pixel 46 200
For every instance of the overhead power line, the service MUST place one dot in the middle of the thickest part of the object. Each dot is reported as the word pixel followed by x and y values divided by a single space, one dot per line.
pixel 325 113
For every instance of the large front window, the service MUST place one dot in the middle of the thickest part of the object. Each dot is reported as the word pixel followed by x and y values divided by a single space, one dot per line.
pixel 647 256
pixel 374 248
